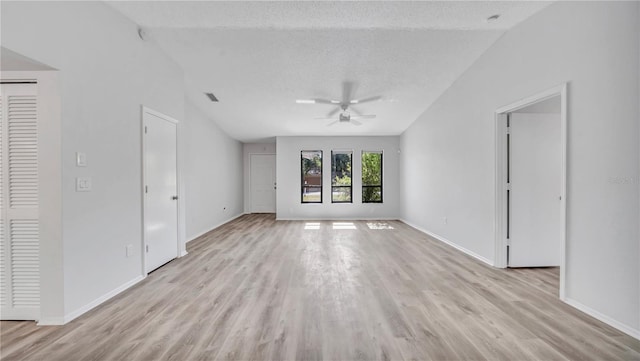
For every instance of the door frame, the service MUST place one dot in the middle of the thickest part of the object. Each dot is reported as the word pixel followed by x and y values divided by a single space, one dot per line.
pixel 501 172
pixel 180 244
pixel 250 180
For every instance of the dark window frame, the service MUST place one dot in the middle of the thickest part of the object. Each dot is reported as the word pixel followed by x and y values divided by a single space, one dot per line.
pixel 381 178
pixel 350 186
pixel 303 186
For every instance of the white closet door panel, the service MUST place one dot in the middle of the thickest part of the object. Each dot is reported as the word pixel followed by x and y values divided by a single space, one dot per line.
pixel 2 162
pixel 4 291
pixel 22 151
pixel 19 233
pixel 5 296
pixel 25 270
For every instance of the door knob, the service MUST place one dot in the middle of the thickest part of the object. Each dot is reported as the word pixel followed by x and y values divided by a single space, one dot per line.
pixel 175 198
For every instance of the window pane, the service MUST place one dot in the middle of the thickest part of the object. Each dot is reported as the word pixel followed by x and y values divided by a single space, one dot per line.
pixel 371 194
pixel 372 177
pixel 341 194
pixel 341 162
pixel 312 195
pixel 311 167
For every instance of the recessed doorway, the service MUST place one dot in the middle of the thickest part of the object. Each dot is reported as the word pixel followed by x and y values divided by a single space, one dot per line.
pixel 531 182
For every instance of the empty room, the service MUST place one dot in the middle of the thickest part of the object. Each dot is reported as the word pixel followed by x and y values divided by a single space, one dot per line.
pixel 319 180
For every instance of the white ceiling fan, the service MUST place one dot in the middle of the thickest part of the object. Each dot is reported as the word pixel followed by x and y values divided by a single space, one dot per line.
pixel 343 108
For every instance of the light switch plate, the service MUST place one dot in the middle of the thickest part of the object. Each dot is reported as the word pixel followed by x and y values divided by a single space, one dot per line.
pixel 83 184
pixel 81 159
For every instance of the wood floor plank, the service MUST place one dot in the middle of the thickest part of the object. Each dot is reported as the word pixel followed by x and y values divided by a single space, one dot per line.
pixel 261 289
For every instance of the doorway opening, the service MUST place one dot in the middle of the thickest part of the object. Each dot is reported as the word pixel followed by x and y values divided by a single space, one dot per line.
pixel 531 142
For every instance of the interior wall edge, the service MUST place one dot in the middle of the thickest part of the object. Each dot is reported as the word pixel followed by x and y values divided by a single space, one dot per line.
pixel 604 318
pixel 450 243
pixel 100 300
pixel 215 226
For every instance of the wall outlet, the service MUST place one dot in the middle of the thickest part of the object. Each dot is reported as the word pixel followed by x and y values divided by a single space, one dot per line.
pixel 83 184
pixel 129 250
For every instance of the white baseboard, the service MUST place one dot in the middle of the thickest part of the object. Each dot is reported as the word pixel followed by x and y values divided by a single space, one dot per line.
pixel 51 321
pixel 604 318
pixel 444 240
pixel 214 227
pixel 336 219
pixel 98 301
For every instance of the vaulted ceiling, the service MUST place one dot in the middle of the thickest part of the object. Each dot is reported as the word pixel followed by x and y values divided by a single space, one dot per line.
pixel 259 57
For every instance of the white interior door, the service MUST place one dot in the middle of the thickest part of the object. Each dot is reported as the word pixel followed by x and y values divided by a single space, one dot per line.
pixel 534 199
pixel 263 183
pixel 19 231
pixel 161 191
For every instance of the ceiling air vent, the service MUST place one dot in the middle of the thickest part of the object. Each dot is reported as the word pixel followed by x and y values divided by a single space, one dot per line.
pixel 211 97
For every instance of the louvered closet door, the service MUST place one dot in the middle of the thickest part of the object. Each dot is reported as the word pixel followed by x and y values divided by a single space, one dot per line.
pixel 19 246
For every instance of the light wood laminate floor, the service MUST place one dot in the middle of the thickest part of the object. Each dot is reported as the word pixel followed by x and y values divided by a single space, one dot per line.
pixel 265 290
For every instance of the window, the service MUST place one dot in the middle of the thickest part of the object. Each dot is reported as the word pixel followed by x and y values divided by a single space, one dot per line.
pixel 371 177
pixel 311 166
pixel 341 176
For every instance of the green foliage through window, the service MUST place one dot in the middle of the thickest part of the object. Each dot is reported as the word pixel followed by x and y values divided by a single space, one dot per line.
pixel 311 167
pixel 341 163
pixel 371 177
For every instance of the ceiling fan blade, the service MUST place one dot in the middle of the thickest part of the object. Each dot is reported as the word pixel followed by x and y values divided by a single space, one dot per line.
pixel 326 101
pixel 324 118
pixel 333 112
pixel 317 101
pixel 355 122
pixel 355 111
pixel 365 116
pixel 366 100
pixel 332 123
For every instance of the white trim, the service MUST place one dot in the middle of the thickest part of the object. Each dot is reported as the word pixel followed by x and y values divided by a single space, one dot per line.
pixel 446 241
pixel 56 321
pixel 180 220
pixel 604 318
pixel 51 321
pixel 500 170
pixel 536 98
pixel 159 115
pixel 216 226
pixel 350 218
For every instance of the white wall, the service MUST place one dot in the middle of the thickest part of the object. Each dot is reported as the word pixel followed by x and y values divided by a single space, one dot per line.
pixel 248 149
pixel 448 153
pixel 288 171
pixel 212 174
pixel 105 73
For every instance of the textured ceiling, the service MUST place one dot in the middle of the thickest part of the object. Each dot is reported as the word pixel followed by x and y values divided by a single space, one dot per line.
pixel 454 15
pixel 259 57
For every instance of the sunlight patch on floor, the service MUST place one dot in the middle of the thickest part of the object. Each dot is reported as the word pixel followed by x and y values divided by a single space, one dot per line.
pixel 379 225
pixel 344 225
pixel 312 226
